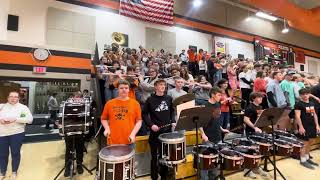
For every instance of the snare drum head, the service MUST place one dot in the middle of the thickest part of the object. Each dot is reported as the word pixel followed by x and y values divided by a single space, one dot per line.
pixel 229 152
pixel 172 137
pixel 259 139
pixel 242 142
pixel 205 150
pixel 116 153
pixel 246 150
pixel 291 140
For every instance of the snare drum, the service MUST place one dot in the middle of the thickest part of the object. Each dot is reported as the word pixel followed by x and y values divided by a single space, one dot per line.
pixel 265 145
pixel 116 162
pixel 279 133
pixel 296 144
pixel 243 142
pixel 74 118
pixel 251 156
pixel 208 157
pixel 173 148
pixel 283 148
pixel 231 160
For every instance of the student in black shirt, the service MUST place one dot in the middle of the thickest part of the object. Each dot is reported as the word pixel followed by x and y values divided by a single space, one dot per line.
pixel 158 112
pixel 307 121
pixel 212 132
pixel 252 112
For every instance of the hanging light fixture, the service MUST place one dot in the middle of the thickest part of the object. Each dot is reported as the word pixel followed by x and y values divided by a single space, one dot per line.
pixel 285 28
pixel 248 18
pixel 266 16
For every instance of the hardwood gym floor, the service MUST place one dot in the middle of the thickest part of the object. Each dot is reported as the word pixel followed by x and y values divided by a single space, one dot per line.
pixel 42 161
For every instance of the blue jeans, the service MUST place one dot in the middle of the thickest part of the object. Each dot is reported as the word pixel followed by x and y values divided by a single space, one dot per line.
pixel 218 76
pixel 14 142
pixel 225 120
pixel 110 94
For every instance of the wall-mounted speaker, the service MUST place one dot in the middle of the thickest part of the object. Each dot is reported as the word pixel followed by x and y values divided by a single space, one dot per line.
pixel 13 22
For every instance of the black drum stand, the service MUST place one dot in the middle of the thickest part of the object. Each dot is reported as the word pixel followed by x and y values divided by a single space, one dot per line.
pixel 71 162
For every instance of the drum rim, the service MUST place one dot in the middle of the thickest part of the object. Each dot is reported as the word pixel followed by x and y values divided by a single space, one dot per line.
pixel 116 159
pixel 172 141
pixel 208 155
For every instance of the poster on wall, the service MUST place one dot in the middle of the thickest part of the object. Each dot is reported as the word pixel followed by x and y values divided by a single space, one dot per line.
pixel 120 38
pixel 219 45
pixel 300 57
pixel 193 48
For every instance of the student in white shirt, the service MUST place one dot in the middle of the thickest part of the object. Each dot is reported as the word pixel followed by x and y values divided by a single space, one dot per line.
pixel 13 119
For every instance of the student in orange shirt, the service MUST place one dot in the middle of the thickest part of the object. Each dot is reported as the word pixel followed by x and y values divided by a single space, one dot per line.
pixel 121 117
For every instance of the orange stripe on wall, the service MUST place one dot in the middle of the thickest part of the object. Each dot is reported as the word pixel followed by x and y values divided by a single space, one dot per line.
pixel 103 3
pixel 10 57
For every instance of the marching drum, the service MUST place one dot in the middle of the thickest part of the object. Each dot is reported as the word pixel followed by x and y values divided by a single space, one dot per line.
pixel 265 145
pixel 231 160
pixel 74 118
pixel 279 133
pixel 296 144
pixel 283 148
pixel 208 157
pixel 116 163
pixel 173 148
pixel 251 156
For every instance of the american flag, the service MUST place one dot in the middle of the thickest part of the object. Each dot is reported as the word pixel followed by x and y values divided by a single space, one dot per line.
pixel 155 11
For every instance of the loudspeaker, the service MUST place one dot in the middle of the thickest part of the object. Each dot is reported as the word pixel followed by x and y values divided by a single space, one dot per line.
pixel 13 22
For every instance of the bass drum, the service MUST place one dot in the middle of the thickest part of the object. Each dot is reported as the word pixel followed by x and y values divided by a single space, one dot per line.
pixel 116 163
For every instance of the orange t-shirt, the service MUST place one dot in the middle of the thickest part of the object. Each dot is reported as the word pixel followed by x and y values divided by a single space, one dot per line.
pixel 122 117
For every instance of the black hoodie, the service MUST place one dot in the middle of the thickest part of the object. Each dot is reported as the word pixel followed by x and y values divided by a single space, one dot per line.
pixel 158 110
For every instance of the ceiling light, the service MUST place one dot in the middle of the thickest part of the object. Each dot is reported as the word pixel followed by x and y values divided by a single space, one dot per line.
pixel 197 3
pixel 248 18
pixel 285 28
pixel 266 16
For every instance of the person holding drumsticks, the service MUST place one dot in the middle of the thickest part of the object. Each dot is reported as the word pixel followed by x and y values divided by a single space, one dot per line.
pixel 121 117
pixel 158 114
pixel 251 114
pixel 212 133
pixel 307 122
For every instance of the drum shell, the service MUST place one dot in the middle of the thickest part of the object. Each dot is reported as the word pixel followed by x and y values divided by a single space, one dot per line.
pixel 283 149
pixel 74 118
pixel 252 157
pixel 116 171
pixel 295 143
pixel 173 152
pixel 173 148
pixel 231 163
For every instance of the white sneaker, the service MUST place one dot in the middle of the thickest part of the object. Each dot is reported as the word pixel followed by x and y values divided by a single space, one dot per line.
pixel 261 172
pixel 251 174
pixel 2 176
pixel 13 176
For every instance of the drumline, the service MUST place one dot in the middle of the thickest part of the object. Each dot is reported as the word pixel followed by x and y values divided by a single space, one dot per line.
pixel 117 161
